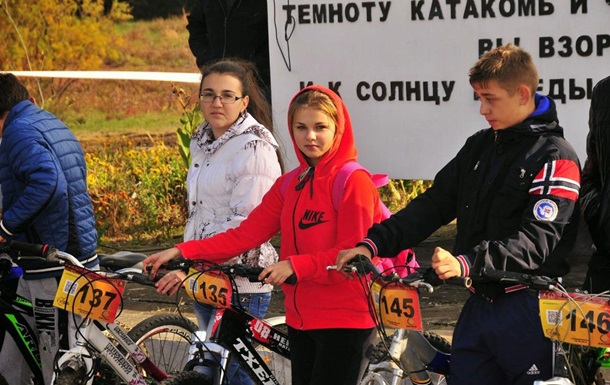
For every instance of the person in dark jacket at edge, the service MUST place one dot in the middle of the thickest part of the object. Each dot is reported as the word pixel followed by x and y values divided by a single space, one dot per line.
pixel 514 185
pixel 45 201
pixel 595 193
pixel 221 29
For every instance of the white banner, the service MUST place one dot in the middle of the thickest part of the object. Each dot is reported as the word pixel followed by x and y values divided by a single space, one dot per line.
pixel 402 67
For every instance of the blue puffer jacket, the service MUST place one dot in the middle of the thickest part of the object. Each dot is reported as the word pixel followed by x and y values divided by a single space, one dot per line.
pixel 44 185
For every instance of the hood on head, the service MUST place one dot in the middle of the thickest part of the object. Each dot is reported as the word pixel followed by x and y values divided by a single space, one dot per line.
pixel 343 148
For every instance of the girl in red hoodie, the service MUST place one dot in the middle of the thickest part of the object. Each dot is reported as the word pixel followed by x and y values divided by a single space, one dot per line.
pixel 330 327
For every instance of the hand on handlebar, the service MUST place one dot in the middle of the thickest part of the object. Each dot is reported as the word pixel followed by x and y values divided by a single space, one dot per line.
pixel 445 265
pixel 171 282
pixel 277 273
pixel 347 255
pixel 159 259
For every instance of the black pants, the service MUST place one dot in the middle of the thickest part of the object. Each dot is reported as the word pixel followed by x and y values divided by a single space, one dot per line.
pixel 329 356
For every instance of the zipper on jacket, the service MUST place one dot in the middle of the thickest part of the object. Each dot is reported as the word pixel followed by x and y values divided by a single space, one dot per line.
pixel 294 241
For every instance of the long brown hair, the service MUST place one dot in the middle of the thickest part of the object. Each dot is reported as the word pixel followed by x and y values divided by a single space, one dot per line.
pixel 247 74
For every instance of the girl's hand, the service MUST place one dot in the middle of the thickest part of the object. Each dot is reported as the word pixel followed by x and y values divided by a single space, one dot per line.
pixel 159 259
pixel 171 282
pixel 277 273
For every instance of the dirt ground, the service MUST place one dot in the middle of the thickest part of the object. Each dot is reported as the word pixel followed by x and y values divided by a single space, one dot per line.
pixel 440 309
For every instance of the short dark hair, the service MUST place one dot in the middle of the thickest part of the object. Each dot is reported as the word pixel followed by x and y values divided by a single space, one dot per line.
pixel 12 91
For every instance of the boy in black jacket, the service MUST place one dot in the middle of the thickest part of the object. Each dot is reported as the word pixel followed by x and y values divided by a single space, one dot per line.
pixel 595 183
pixel 515 185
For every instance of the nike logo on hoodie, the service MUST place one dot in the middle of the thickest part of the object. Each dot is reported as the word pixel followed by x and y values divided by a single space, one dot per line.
pixel 311 218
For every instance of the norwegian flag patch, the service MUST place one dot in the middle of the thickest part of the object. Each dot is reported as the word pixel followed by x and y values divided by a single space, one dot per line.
pixel 560 178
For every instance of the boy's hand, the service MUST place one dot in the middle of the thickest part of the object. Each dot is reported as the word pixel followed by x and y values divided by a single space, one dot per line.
pixel 445 265
pixel 347 255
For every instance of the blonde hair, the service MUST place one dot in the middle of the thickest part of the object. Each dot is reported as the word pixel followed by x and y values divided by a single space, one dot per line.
pixel 314 99
pixel 509 65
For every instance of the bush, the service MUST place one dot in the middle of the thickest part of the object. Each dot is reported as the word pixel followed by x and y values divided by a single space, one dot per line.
pixel 399 192
pixel 138 193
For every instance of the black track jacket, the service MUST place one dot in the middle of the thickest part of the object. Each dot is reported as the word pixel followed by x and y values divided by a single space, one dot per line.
pixel 516 188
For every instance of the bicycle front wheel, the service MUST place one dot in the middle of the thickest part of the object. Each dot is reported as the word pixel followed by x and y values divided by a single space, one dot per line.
pixel 187 378
pixel 165 339
pixel 70 376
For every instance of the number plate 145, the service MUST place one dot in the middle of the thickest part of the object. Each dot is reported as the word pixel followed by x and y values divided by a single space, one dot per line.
pixel 397 305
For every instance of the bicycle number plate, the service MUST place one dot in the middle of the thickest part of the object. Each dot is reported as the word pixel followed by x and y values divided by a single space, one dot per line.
pixel 209 287
pixel 89 294
pixel 579 319
pixel 397 305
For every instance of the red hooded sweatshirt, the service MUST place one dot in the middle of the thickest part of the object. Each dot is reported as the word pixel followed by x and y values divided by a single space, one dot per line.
pixel 312 234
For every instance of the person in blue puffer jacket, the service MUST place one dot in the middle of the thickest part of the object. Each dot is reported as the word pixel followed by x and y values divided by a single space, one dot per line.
pixel 44 186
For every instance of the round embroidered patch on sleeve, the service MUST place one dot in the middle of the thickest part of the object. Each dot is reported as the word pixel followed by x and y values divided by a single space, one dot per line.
pixel 545 210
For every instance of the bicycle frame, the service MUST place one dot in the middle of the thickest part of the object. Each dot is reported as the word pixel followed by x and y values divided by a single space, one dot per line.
pixel 230 332
pixel 91 345
pixel 90 335
pixel 409 350
pixel 232 328
pixel 14 308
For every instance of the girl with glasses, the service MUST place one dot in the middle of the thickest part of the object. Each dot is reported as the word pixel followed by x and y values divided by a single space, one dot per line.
pixel 234 161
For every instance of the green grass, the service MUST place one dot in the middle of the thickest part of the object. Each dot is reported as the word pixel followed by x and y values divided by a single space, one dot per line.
pixel 94 107
pixel 97 122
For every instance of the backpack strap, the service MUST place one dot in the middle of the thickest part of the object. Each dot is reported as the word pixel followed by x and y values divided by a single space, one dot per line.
pixel 339 182
pixel 343 175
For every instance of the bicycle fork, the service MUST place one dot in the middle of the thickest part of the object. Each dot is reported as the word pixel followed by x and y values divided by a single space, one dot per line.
pixel 413 352
pixel 207 357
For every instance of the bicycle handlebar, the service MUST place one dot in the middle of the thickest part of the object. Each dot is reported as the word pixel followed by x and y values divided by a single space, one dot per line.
pixel 249 272
pixel 483 274
pixel 49 253
pixel 537 282
pixel 360 264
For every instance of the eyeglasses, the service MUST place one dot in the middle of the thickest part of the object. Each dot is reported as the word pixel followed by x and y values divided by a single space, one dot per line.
pixel 209 97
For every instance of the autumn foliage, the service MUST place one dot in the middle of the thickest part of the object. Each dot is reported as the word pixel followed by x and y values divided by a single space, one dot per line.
pixel 46 35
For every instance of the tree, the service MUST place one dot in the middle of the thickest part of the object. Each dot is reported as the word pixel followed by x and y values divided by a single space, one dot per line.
pixel 47 35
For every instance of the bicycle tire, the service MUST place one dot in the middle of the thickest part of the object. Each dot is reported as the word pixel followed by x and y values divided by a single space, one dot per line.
pixel 187 378
pixel 381 376
pixel 279 365
pixel 70 376
pixel 165 339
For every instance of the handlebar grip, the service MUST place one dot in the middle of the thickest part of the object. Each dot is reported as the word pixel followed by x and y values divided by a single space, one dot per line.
pixel 30 249
pixel 292 280
pixel 459 281
pixel 144 279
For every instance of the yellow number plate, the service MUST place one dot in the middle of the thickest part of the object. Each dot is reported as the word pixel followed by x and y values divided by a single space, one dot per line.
pixel 210 287
pixel 397 305
pixel 88 294
pixel 581 320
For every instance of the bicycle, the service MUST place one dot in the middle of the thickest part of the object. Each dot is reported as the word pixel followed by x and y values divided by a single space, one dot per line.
pixel 410 355
pixel 576 361
pixel 259 345
pixel 576 322
pixel 13 322
pixel 96 298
